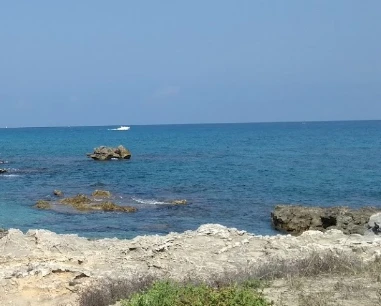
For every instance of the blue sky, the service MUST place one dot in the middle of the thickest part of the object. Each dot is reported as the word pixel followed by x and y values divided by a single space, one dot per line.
pixel 152 62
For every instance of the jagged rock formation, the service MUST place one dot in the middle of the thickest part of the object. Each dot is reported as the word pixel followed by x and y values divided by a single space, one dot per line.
pixel 3 171
pixel 42 204
pixel 82 203
pixel 108 153
pixel 297 219
pixel 43 268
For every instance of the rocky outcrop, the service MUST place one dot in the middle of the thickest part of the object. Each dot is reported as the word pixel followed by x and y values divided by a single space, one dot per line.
pixel 83 203
pixel 42 204
pixel 110 206
pixel 179 202
pixel 374 223
pixel 41 268
pixel 108 153
pixel 3 232
pixel 3 171
pixel 297 219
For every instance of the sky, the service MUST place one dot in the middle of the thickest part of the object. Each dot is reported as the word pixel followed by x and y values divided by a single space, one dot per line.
pixel 168 62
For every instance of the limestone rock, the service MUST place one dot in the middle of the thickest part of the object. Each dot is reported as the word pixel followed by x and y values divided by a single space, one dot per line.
pixel 110 206
pixel 374 223
pixel 297 219
pixel 42 268
pixel 82 203
pixel 42 204
pixel 3 232
pixel 179 202
pixel 108 153
pixel 79 202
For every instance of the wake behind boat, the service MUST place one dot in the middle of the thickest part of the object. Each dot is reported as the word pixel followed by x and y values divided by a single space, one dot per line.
pixel 121 128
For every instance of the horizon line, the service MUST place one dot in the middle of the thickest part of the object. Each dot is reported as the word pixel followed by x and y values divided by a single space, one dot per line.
pixel 198 123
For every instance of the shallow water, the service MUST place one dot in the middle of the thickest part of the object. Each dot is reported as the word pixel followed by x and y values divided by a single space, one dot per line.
pixel 232 174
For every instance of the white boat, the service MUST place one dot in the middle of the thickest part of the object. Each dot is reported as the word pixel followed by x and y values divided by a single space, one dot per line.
pixel 122 128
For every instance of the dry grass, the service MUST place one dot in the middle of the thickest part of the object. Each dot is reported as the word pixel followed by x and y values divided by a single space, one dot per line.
pixel 109 290
pixel 318 279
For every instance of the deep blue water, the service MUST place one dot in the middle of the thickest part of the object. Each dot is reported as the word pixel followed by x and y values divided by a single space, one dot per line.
pixel 232 174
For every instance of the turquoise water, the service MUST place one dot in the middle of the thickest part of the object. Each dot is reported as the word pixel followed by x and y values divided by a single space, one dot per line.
pixel 232 174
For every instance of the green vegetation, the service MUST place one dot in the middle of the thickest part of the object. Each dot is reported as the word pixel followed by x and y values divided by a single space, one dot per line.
pixel 166 293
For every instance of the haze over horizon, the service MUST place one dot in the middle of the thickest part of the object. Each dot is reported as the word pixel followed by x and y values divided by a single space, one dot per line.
pixel 96 63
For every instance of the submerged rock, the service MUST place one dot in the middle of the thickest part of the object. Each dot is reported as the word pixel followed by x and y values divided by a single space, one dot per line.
pixel 82 203
pixel 79 202
pixel 179 202
pixel 110 206
pixel 58 193
pixel 42 204
pixel 108 153
pixel 101 194
pixel 3 171
pixel 297 219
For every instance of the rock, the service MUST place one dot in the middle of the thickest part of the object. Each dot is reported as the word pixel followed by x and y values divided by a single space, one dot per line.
pixel 83 203
pixel 79 202
pixel 3 232
pixel 3 171
pixel 45 268
pixel 110 206
pixel 297 219
pixel 58 193
pixel 374 223
pixel 108 153
pixel 179 202
pixel 42 204
pixel 101 194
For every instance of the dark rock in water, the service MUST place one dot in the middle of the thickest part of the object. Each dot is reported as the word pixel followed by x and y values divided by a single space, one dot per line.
pixel 82 203
pixel 79 202
pixel 297 219
pixel 108 153
pixel 3 171
pixel 110 206
pixel 101 194
pixel 42 204
pixel 58 193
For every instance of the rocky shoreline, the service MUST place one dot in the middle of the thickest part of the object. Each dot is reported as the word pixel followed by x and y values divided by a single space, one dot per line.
pixel 44 268
pixel 295 219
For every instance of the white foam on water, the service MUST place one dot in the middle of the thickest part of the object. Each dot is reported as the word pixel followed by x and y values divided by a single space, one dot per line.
pixel 148 201
pixel 10 175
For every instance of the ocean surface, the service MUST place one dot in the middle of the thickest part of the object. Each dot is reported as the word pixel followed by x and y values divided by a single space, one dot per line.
pixel 231 174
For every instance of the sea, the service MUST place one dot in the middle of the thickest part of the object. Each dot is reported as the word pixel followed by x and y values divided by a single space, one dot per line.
pixel 230 174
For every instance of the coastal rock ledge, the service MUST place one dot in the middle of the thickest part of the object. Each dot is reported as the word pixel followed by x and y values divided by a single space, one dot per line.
pixel 42 268
pixel 109 153
pixel 295 219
